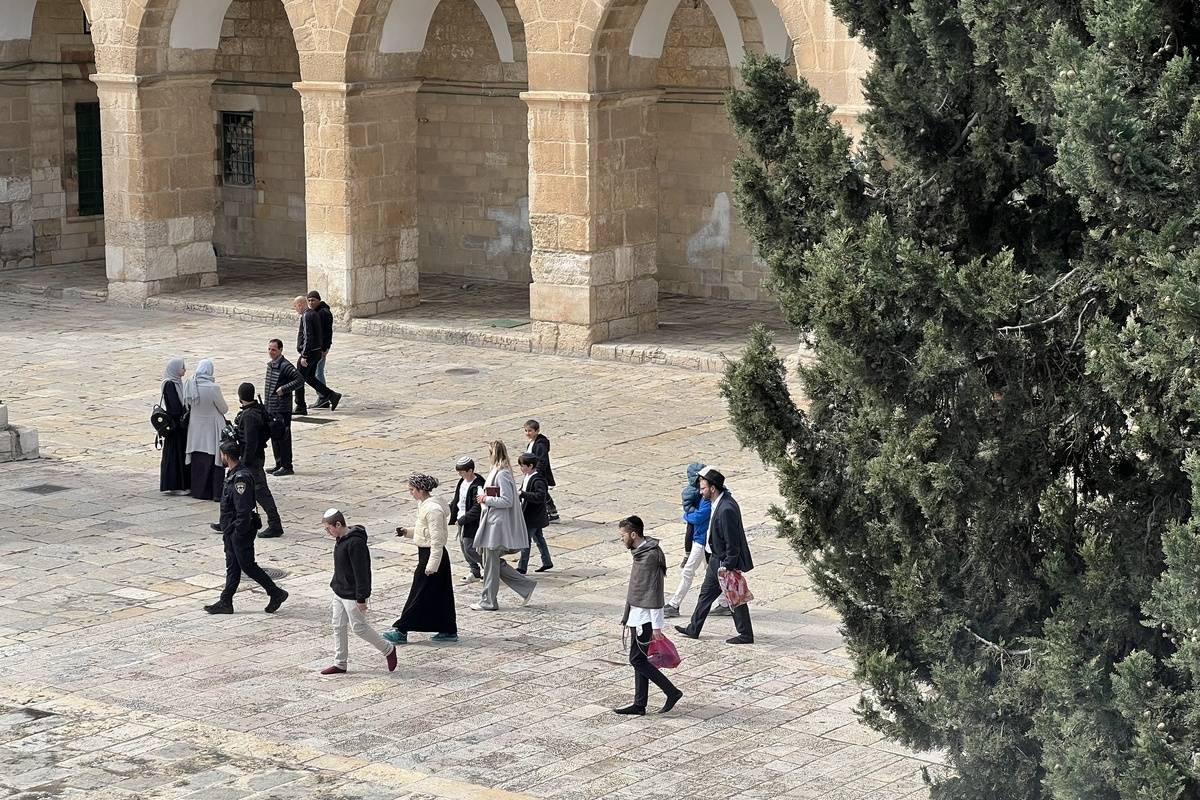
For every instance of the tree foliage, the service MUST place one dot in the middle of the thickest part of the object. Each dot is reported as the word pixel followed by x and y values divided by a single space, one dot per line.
pixel 990 478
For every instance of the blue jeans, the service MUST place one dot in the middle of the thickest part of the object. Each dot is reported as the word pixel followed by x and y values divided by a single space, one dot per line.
pixel 321 369
pixel 535 536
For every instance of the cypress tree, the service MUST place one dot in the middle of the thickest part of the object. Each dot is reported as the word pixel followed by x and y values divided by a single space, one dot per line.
pixel 988 475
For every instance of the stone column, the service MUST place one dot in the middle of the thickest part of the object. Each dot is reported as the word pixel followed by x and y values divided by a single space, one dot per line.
pixel 16 204
pixel 158 142
pixel 360 189
pixel 593 210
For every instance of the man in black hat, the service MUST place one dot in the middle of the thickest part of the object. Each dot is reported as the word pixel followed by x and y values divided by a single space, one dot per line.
pixel 237 531
pixel 729 550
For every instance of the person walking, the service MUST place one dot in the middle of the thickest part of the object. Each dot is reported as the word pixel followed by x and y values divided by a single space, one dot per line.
pixel 311 349
pixel 254 430
pixel 351 588
pixel 206 419
pixel 430 605
pixel 237 532
pixel 325 321
pixel 538 445
pixel 173 472
pixel 282 380
pixel 464 512
pixel 533 494
pixel 728 549
pixel 644 615
pixel 696 513
pixel 501 531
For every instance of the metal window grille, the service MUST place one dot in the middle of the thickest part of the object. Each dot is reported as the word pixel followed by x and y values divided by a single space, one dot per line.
pixel 237 148
pixel 89 163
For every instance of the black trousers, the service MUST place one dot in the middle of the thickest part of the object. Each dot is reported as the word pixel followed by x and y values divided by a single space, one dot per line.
pixel 710 590
pixel 262 494
pixel 309 374
pixel 239 558
pixel 281 440
pixel 643 671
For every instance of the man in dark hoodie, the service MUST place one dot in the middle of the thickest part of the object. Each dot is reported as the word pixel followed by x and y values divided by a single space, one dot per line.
pixel 644 614
pixel 351 587
pixel 325 323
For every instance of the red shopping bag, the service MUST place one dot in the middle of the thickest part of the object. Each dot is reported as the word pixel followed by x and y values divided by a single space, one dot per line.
pixel 733 586
pixel 662 653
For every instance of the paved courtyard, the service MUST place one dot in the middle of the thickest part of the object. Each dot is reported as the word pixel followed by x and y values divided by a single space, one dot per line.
pixel 114 683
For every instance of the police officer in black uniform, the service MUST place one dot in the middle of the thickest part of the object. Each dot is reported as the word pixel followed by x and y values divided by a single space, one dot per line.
pixel 237 530
pixel 254 431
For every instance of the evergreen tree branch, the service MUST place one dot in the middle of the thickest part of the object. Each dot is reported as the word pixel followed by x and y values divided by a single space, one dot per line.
pixel 998 648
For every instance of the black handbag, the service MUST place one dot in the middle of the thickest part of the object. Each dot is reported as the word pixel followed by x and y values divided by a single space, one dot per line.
pixel 164 422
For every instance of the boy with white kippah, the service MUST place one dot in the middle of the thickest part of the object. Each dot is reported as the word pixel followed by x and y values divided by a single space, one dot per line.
pixel 351 587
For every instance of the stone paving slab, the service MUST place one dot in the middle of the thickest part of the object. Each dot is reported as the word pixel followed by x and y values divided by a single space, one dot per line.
pixel 101 585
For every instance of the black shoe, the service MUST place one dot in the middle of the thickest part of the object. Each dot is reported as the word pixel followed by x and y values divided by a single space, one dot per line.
pixel 276 601
pixel 637 711
pixel 272 532
pixel 283 472
pixel 720 611
pixel 740 640
pixel 216 526
pixel 522 571
pixel 322 403
pixel 334 399
pixel 685 632
pixel 300 411
pixel 274 469
pixel 672 699
pixel 544 567
pixel 220 607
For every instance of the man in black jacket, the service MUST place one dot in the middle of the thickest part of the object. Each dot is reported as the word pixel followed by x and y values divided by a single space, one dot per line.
pixel 325 321
pixel 465 513
pixel 282 380
pixel 311 347
pixel 237 531
pixel 728 550
pixel 533 496
pixel 351 587
pixel 254 431
pixel 539 446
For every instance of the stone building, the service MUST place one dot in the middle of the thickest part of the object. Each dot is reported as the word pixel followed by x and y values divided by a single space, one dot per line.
pixel 578 146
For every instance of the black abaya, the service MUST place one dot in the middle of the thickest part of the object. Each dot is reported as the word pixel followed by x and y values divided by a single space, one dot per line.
pixel 173 473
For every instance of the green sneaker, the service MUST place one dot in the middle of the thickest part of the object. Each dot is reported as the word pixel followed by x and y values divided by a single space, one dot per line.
pixel 395 636
pixel 445 637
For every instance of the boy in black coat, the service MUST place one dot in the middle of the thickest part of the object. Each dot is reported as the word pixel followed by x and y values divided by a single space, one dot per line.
pixel 534 496
pixel 351 587
pixel 539 448
pixel 465 512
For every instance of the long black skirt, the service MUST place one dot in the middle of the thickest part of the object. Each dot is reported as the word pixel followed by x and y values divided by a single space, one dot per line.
pixel 174 475
pixel 430 605
pixel 208 477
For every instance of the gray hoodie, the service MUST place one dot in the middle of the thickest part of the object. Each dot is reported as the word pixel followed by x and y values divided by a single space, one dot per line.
pixel 646 578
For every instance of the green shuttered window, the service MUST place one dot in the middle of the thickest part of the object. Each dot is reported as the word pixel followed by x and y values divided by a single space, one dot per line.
pixel 90 164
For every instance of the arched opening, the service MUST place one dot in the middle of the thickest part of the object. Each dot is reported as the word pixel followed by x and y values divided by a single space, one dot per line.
pixel 259 129
pixel 51 178
pixel 473 144
pixel 689 51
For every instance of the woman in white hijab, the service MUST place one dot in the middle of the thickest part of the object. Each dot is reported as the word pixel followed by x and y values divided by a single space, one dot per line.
pixel 206 419
pixel 501 532
pixel 173 472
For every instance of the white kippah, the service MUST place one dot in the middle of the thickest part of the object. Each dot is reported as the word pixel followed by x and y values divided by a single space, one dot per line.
pixel 333 512
pixel 462 462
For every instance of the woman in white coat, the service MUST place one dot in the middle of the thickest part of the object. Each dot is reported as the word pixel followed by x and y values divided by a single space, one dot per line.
pixel 430 605
pixel 205 421
pixel 501 532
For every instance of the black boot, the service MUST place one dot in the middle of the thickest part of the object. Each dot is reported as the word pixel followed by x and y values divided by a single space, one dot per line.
pixel 638 711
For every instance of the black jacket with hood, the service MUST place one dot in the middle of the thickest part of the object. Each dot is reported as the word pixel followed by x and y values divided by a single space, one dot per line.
pixel 352 566
pixel 325 324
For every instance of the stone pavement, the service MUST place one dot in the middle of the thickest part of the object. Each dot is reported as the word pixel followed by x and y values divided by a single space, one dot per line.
pixel 114 683
pixel 693 333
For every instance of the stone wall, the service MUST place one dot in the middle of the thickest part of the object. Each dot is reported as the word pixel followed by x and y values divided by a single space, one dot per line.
pixel 472 150
pixel 16 209
pixel 256 65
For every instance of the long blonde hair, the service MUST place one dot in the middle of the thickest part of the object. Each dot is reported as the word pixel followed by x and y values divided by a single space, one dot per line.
pixel 499 454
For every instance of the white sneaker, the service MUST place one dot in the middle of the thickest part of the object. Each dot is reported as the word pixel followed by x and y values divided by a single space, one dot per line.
pixel 481 607
pixel 526 599
pixel 469 578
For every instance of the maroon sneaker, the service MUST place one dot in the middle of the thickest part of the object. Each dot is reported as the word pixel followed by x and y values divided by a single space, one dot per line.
pixel 335 670
pixel 391 660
